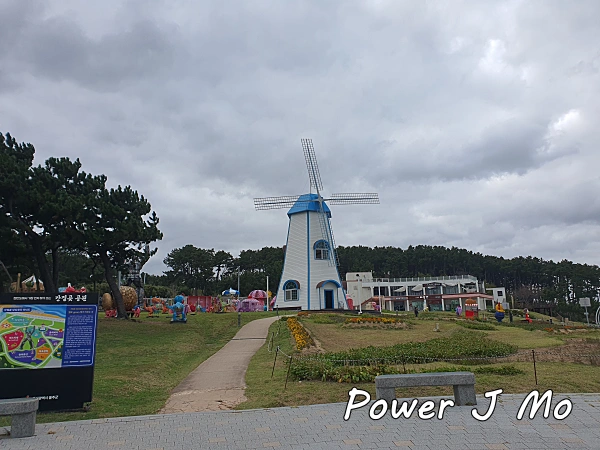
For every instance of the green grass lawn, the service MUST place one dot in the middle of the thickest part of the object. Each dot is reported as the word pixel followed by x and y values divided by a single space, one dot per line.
pixel 139 363
pixel 560 376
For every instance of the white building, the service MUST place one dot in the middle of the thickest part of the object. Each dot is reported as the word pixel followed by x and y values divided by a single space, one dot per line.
pixel 500 296
pixel 403 294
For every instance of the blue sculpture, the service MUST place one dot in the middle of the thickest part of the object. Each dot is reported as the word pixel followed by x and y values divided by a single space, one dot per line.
pixel 178 309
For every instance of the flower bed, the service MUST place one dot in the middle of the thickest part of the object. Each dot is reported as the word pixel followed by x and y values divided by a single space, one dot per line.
pixel 363 364
pixel 301 336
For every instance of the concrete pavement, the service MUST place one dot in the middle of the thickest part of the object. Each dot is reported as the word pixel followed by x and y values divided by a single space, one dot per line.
pixel 323 427
pixel 219 382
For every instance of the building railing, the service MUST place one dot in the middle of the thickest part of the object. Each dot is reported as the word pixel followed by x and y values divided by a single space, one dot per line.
pixel 404 280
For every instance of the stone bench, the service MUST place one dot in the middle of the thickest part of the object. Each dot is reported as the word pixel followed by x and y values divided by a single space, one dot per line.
pixel 23 412
pixel 462 382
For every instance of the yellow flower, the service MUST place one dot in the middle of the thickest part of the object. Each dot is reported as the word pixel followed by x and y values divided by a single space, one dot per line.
pixel 301 336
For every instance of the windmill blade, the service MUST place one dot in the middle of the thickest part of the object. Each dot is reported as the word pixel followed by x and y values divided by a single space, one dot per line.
pixel 311 165
pixel 326 234
pixel 334 260
pixel 354 199
pixel 286 201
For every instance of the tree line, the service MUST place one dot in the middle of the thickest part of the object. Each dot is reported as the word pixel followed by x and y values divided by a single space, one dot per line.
pixel 198 271
pixel 64 225
pixel 532 281
pixel 56 211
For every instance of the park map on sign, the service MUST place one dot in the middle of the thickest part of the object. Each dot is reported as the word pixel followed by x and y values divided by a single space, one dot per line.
pixel 31 337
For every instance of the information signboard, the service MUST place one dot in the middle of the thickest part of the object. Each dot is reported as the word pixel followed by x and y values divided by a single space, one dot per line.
pixel 47 348
pixel 585 302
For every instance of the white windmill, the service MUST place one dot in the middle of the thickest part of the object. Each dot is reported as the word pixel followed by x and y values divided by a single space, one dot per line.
pixel 310 277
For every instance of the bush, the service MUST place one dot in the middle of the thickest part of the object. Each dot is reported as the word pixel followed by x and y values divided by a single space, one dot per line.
pixel 158 291
pixel 542 326
pixel 477 326
pixel 372 320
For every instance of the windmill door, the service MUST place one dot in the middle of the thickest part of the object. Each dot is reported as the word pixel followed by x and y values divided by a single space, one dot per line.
pixel 328 299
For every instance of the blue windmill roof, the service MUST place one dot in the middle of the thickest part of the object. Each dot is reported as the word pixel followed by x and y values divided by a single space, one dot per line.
pixel 308 202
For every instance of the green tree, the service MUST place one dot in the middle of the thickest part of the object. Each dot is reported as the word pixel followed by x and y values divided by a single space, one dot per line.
pixel 15 162
pixel 158 291
pixel 191 266
pixel 116 231
pixel 222 262
pixel 77 268
pixel 255 266
pixel 41 205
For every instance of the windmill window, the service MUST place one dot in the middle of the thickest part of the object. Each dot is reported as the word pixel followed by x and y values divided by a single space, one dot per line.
pixel 321 250
pixel 291 290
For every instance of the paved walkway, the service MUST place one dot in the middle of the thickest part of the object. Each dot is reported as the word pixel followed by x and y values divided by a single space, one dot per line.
pixel 219 382
pixel 323 427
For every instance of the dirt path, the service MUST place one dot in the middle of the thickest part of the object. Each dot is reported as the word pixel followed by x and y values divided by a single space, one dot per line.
pixel 219 382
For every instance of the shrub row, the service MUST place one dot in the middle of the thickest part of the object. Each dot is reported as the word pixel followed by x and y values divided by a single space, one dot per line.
pixel 372 320
pixel 477 325
pixel 366 374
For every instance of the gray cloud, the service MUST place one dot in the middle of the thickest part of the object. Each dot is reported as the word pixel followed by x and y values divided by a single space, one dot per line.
pixel 475 121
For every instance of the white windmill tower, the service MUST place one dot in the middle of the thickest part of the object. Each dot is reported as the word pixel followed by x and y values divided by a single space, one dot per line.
pixel 310 277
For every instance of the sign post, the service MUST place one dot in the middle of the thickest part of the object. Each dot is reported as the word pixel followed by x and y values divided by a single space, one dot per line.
pixel 47 348
pixel 585 302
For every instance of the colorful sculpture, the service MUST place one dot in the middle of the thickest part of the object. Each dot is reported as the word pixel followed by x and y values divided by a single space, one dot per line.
pixel 499 312
pixel 71 290
pixel 216 306
pixel 129 300
pixel 108 303
pixel 178 309
pixel 130 297
pixel 150 311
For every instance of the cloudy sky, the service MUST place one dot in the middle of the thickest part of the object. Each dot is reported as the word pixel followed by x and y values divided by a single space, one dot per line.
pixel 477 122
